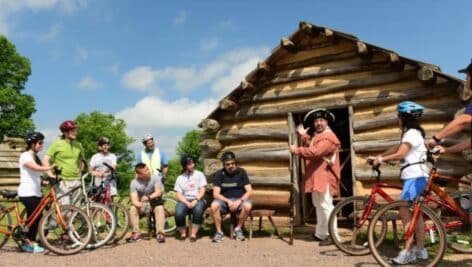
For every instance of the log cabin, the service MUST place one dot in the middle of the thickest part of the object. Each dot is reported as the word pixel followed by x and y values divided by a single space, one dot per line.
pixel 361 83
pixel 10 150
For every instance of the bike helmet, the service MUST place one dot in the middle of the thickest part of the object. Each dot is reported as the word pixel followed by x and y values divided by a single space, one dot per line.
pixel 67 126
pixel 185 160
pixel 33 137
pixel 102 141
pixel 227 156
pixel 146 138
pixel 410 108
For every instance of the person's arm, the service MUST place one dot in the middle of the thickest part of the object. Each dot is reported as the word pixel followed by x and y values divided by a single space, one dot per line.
pixel 217 194
pixel 48 166
pixel 457 147
pixel 32 165
pixel 451 128
pixel 164 163
pixel 397 155
pixel 135 200
pixel 157 192
pixel 320 149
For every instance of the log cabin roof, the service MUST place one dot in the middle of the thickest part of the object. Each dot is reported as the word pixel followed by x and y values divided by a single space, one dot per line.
pixel 310 31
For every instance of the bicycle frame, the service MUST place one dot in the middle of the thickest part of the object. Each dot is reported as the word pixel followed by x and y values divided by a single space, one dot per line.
pixel 444 199
pixel 48 199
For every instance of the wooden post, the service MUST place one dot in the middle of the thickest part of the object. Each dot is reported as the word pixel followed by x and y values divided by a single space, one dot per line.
pixel 288 45
pixel 227 104
pixel 296 217
pixel 464 92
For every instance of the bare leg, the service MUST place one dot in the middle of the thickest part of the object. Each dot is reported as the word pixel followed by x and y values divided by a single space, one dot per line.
pixel 215 213
pixel 245 211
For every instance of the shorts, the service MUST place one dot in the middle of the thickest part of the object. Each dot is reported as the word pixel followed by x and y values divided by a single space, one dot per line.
pixel 412 188
pixel 224 208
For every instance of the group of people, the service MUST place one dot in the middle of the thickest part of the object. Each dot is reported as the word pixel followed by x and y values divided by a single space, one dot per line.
pixel 231 186
pixel 231 192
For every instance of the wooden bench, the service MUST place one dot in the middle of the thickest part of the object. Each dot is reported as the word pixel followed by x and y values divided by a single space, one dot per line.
pixel 262 213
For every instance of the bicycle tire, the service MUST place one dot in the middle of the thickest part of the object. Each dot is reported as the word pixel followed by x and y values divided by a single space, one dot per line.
pixel 356 244
pixel 385 251
pixel 169 211
pixel 122 221
pixel 458 233
pixel 104 225
pixel 5 225
pixel 71 240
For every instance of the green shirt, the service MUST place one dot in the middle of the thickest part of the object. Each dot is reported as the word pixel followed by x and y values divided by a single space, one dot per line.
pixel 67 156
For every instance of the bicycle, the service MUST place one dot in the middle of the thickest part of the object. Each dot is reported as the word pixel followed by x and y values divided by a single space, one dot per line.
pixel 101 194
pixel 435 235
pixel 102 217
pixel 357 212
pixel 63 229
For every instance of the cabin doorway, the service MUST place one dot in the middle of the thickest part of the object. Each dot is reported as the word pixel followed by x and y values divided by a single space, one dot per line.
pixel 341 128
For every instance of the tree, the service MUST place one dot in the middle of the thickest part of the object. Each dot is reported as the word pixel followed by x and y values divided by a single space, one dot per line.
pixel 16 108
pixel 188 145
pixel 95 125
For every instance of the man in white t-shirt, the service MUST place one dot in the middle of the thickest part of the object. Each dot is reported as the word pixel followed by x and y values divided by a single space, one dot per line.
pixel 98 162
pixel 190 187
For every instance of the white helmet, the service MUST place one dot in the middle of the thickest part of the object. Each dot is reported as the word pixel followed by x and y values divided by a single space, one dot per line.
pixel 146 138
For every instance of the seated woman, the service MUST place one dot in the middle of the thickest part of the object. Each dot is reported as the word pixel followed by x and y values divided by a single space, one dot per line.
pixel 190 187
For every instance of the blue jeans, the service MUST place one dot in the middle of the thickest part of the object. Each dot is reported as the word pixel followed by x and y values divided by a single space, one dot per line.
pixel 181 210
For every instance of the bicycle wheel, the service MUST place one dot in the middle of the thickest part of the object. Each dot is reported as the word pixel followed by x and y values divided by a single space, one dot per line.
pixel 351 236
pixel 169 211
pixel 69 240
pixel 434 237
pixel 459 236
pixel 5 225
pixel 103 223
pixel 122 221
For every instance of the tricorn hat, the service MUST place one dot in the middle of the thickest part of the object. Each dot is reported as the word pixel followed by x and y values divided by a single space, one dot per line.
pixel 467 69
pixel 318 113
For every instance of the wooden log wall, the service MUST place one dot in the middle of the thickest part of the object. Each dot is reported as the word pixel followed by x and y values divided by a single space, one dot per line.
pixel 9 155
pixel 331 72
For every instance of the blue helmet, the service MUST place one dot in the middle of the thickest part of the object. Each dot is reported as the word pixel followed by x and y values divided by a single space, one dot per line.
pixel 410 108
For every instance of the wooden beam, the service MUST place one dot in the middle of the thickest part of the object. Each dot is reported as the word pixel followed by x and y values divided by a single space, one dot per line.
pixel 306 27
pixel 210 145
pixel 288 45
pixel 425 73
pixel 227 104
pixel 371 80
pixel 263 67
pixel 327 71
pixel 270 153
pixel 328 32
pixel 210 166
pixel 245 85
pixel 443 113
pixel 253 110
pixel 270 131
pixel 362 48
pixel 318 60
pixel 210 125
pixel 394 57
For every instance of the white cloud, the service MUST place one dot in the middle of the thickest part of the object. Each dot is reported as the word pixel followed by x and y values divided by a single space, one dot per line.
pixel 88 82
pixel 147 79
pixel 9 7
pixel 223 85
pixel 209 44
pixel 115 68
pixel 51 34
pixel 81 54
pixel 181 18
pixel 152 112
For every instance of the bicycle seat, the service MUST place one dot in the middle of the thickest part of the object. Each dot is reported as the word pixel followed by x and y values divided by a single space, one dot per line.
pixel 8 194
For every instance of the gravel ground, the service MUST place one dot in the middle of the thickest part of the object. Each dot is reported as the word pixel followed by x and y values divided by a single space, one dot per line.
pixel 260 251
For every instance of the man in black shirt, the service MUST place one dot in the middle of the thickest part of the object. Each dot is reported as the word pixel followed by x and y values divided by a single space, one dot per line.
pixel 231 191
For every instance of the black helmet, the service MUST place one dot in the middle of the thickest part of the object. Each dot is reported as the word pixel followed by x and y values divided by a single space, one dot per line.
pixel 33 137
pixel 185 160
pixel 227 156
pixel 103 140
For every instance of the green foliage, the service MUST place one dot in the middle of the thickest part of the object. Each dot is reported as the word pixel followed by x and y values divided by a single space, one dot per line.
pixel 16 108
pixel 190 145
pixel 95 125
pixel 174 170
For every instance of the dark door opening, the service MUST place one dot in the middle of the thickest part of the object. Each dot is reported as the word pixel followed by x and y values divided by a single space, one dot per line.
pixel 341 128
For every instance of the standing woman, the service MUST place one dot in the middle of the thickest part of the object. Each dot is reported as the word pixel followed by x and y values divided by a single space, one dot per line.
pixel 29 190
pixel 190 187
pixel 412 155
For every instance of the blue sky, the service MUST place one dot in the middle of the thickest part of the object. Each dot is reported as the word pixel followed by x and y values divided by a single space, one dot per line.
pixel 163 65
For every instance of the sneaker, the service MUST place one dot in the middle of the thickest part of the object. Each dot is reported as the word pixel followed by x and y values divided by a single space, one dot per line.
pixel 193 239
pixel 133 237
pixel 420 254
pixel 32 248
pixel 218 237
pixel 326 242
pixel 238 235
pixel 160 237
pixel 405 257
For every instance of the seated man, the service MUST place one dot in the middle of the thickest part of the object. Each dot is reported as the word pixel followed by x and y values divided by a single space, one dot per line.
pixel 145 194
pixel 231 191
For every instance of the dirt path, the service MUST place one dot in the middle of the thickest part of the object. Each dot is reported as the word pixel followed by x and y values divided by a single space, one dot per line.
pixel 261 251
